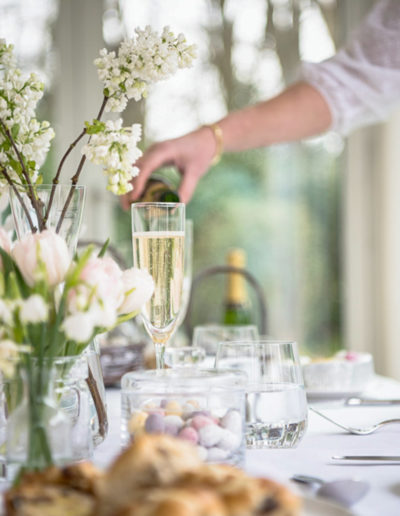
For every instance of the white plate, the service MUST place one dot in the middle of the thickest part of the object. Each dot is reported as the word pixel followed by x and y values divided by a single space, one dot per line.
pixel 331 395
pixel 319 507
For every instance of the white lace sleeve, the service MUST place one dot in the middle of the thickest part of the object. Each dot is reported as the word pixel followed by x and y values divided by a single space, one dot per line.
pixel 361 83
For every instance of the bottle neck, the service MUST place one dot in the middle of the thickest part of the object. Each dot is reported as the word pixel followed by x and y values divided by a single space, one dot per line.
pixel 236 291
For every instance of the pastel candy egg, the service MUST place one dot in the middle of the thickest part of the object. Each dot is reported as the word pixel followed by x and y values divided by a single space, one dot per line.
pixel 203 453
pixel 150 405
pixel 173 424
pixel 200 420
pixel 173 408
pixel 210 435
pixel 136 422
pixel 189 434
pixel 193 403
pixel 154 424
pixel 232 421
pixel 229 441
pixel 216 454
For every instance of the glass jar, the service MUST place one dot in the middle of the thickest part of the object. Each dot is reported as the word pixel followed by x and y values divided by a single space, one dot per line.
pixel 203 406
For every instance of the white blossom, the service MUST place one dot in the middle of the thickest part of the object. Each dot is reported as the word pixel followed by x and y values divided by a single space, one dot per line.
pixel 142 60
pixel 33 310
pixel 19 96
pixel 115 147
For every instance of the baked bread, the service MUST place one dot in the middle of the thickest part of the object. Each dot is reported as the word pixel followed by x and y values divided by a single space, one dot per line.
pixel 48 500
pixel 158 475
pixel 176 501
pixel 150 461
pixel 55 491
pixel 242 494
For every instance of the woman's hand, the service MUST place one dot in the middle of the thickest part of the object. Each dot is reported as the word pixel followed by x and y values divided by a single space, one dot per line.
pixel 191 154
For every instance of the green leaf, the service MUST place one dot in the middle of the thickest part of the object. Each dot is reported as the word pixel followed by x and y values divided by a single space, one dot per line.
pixel 73 277
pixel 16 165
pixel 15 131
pixel 95 127
pixel 103 250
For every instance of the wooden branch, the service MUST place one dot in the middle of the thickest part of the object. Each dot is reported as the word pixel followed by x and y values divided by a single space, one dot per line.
pixel 74 179
pixel 31 192
pixel 18 195
pixel 57 176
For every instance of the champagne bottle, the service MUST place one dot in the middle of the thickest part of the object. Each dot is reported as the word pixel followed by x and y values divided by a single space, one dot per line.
pixel 236 306
pixel 160 187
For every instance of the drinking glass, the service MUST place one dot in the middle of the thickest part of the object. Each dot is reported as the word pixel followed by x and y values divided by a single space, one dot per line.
pixel 158 235
pixel 276 405
pixel 208 336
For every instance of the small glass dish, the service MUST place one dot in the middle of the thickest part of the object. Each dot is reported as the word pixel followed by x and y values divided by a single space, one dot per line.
pixel 184 356
pixel 203 406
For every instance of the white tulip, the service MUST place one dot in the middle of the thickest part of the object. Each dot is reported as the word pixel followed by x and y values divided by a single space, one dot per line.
pixel 79 327
pixel 138 289
pixel 42 256
pixel 34 310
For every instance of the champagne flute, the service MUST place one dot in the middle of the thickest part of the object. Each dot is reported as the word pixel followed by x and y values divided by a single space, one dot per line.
pixel 158 234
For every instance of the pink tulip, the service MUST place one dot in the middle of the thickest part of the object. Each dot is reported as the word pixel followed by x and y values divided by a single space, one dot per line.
pixel 42 256
pixel 100 283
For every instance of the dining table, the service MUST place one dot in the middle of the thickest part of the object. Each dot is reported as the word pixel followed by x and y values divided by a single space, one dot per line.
pixel 314 454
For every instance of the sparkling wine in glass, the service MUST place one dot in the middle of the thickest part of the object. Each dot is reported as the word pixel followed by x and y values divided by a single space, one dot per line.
pixel 158 237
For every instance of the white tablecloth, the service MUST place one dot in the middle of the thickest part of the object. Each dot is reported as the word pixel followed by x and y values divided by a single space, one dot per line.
pixel 321 442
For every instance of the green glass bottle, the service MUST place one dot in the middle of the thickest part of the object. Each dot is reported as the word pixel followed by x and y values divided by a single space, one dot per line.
pixel 160 187
pixel 236 306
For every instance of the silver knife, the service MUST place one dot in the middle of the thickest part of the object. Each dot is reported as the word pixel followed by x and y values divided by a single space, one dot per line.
pixel 391 458
pixel 355 401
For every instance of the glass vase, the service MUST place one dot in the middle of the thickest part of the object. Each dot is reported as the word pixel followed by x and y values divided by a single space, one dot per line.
pixel 48 414
pixel 61 207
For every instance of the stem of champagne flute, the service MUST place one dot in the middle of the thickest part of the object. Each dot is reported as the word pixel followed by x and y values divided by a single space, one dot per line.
pixel 160 350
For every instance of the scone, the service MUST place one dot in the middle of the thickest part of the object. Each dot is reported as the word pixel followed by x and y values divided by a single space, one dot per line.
pixel 150 461
pixel 48 500
pixel 244 495
pixel 55 491
pixel 175 501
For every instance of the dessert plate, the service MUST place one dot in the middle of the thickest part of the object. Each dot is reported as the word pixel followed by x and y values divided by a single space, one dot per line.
pixel 319 507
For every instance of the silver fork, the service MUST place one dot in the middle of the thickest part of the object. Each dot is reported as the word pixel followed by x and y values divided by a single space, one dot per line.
pixel 357 431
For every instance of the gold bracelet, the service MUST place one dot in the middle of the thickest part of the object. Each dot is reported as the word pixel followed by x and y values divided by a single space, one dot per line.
pixel 219 140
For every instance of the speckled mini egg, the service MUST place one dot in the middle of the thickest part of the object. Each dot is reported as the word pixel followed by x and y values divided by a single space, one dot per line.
pixel 154 424
pixel 173 408
pixel 136 422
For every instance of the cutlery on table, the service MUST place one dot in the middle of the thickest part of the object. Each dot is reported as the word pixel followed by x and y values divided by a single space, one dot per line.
pixel 353 430
pixel 355 401
pixel 368 458
pixel 346 491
